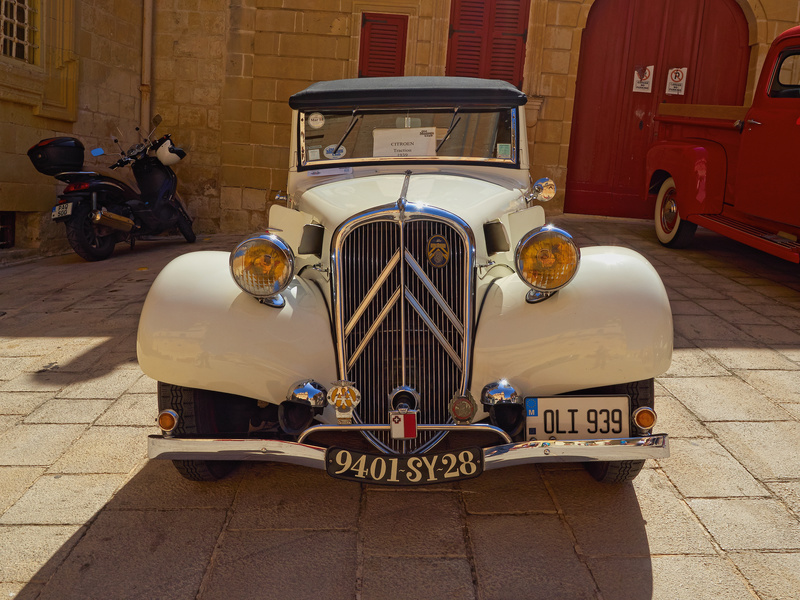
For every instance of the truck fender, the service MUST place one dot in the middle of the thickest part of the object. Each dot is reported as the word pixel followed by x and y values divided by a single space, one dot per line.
pixel 199 330
pixel 698 168
pixel 612 324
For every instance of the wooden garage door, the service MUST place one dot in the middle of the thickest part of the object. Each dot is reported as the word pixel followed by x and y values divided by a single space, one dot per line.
pixel 612 125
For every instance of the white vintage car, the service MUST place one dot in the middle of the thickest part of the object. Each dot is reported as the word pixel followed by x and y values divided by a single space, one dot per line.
pixel 409 317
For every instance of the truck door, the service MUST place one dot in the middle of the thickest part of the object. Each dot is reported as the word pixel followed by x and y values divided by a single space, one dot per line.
pixel 767 175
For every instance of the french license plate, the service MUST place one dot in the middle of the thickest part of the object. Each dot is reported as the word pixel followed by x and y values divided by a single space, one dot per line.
pixel 414 469
pixel 577 417
pixel 61 210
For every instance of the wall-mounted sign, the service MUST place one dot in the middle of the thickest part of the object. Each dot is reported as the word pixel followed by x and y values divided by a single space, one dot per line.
pixel 643 79
pixel 676 82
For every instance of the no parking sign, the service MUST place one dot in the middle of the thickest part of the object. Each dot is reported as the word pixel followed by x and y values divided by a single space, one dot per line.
pixel 676 82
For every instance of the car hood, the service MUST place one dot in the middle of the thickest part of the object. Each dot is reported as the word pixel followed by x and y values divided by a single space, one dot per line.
pixel 474 200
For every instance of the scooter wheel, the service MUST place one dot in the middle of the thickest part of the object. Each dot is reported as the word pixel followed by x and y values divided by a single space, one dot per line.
pixel 83 238
pixel 185 227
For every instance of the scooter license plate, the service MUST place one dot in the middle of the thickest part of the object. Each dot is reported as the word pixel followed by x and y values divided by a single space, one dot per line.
pixel 62 210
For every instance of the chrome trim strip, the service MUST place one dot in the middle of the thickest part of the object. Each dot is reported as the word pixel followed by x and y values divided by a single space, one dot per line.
pixel 655 446
pixel 433 329
pixel 368 336
pixel 481 427
pixel 372 292
pixel 434 292
pixel 495 457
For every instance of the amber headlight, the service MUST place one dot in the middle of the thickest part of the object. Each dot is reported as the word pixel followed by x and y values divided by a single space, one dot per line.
pixel 263 266
pixel 547 259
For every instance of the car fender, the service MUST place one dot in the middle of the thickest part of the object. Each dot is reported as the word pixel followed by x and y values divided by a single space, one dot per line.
pixel 612 324
pixel 698 168
pixel 198 329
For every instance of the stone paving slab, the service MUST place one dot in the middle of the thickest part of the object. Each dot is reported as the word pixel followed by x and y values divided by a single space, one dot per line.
pixel 84 514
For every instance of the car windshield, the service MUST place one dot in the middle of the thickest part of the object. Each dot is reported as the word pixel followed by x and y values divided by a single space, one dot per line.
pixel 450 134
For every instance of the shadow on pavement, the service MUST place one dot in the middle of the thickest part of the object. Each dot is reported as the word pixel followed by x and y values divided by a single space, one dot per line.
pixel 280 531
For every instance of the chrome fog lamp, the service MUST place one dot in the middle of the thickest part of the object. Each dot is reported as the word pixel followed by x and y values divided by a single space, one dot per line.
pixel 263 266
pixel 546 259
pixel 504 405
pixel 308 392
pixel 500 392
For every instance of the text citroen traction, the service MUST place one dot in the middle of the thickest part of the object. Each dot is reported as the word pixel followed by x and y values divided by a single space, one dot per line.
pixel 409 318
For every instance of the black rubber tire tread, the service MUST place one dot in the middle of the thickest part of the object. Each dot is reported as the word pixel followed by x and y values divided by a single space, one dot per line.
pixel 615 472
pixel 685 231
pixel 195 409
pixel 642 393
pixel 83 239
pixel 185 227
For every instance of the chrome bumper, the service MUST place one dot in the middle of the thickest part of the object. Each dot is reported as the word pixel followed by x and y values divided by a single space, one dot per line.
pixel 495 457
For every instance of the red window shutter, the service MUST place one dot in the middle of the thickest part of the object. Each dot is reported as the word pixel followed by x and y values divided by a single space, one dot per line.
pixel 383 45
pixel 487 39
pixel 469 28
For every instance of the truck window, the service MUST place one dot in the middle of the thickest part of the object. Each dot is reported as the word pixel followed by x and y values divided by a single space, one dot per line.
pixel 786 83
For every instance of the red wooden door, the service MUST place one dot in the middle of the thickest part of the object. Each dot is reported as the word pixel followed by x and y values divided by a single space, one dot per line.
pixel 612 126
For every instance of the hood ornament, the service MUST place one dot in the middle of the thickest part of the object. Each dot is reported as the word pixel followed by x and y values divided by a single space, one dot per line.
pixel 402 200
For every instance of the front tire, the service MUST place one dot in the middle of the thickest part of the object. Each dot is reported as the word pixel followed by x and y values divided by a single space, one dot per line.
pixel 641 393
pixel 197 416
pixel 672 231
pixel 83 238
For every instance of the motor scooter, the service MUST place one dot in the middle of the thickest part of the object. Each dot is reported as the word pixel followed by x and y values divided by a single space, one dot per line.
pixel 98 210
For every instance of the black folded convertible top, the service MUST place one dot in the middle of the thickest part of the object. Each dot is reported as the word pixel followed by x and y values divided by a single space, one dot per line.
pixel 407 91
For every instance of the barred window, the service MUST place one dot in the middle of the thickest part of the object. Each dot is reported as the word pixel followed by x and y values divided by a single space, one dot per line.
pixel 18 29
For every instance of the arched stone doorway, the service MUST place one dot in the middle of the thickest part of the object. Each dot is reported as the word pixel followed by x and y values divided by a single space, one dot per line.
pixel 612 124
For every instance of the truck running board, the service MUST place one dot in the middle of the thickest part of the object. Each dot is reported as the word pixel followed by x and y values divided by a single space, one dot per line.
pixel 753 236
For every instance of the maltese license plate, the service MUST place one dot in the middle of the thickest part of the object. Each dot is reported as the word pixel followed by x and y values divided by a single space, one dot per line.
pixel 414 469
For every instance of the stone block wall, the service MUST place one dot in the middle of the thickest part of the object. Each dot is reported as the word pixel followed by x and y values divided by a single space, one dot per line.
pixel 91 63
pixel 279 47
pixel 189 62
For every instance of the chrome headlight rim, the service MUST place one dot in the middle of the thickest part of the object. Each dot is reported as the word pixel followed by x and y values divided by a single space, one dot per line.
pixel 272 298
pixel 526 239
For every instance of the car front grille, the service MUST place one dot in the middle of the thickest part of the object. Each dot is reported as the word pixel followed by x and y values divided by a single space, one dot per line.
pixel 404 319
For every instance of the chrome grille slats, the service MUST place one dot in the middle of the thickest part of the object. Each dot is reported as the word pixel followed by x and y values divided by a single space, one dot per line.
pixel 380 258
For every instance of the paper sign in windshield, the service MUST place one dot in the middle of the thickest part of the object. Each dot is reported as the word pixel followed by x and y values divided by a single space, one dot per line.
pixel 401 143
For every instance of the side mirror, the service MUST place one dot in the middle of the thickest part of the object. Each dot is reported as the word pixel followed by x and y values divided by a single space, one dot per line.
pixel 544 189
pixel 97 152
pixel 157 120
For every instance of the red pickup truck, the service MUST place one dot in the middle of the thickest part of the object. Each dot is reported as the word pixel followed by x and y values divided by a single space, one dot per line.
pixel 733 169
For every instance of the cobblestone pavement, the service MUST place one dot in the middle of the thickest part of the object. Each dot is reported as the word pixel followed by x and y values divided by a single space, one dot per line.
pixel 84 514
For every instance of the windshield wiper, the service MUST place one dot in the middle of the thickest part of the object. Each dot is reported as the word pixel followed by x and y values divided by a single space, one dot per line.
pixel 349 129
pixel 453 123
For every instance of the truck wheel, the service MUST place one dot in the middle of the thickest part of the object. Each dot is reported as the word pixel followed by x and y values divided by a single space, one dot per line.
pixel 82 236
pixel 197 416
pixel 672 231
pixel 642 393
